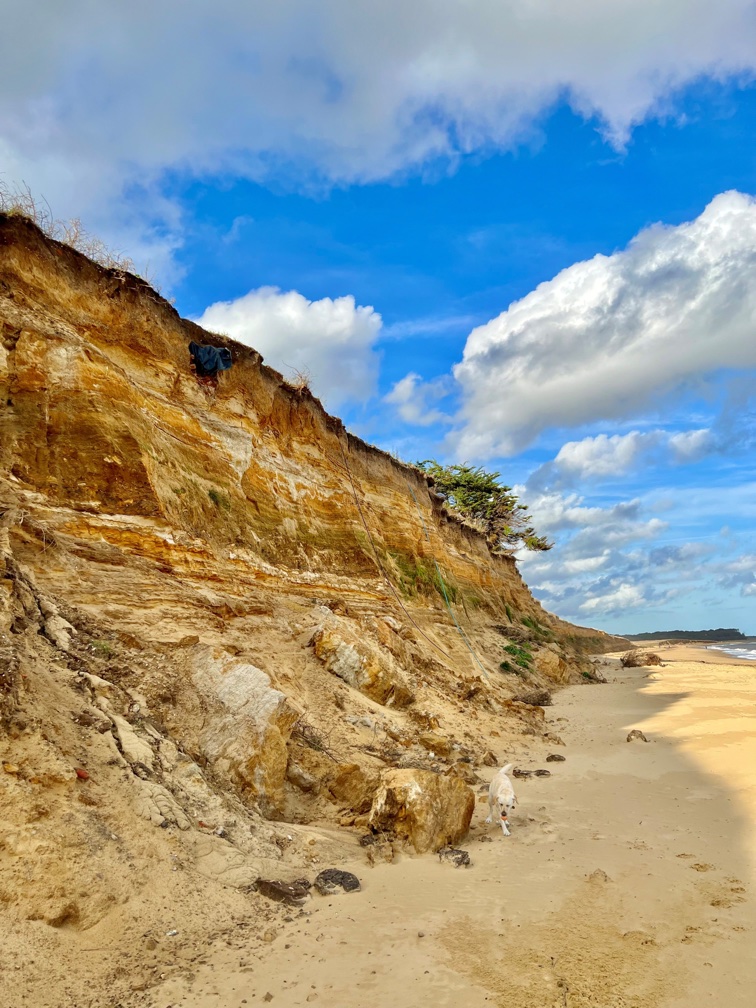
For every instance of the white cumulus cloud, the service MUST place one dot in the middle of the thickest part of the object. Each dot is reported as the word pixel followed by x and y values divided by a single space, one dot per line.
pixel 604 455
pixel 607 336
pixel 330 340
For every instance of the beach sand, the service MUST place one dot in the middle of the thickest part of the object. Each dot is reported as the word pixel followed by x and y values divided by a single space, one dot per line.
pixel 627 882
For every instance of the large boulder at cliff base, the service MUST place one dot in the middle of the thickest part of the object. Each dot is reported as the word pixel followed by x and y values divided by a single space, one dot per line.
pixel 429 811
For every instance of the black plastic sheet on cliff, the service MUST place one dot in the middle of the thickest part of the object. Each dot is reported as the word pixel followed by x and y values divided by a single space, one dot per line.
pixel 209 360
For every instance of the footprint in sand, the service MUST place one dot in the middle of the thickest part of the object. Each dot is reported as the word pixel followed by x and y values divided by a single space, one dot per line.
pixel 639 937
pixel 725 901
pixel 701 866
pixel 728 897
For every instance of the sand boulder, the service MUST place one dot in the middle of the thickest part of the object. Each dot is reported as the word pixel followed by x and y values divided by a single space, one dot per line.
pixel 428 810
pixel 549 661
pixel 247 725
pixel 639 659
pixel 361 664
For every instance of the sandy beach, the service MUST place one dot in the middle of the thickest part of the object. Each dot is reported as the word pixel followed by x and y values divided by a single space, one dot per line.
pixel 627 880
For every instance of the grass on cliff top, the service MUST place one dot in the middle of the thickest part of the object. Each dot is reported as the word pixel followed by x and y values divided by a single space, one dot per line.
pixel 19 201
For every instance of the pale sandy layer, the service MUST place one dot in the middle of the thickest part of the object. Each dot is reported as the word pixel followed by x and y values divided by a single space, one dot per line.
pixel 627 881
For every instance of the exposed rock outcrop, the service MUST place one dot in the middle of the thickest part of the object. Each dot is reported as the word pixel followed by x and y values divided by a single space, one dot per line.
pixel 360 663
pixel 247 725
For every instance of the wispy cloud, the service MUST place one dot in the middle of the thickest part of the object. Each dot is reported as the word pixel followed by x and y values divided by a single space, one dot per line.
pixel 413 397
pixel 429 325
pixel 616 560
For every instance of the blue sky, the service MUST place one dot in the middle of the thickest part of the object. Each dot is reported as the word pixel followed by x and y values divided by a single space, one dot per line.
pixel 409 203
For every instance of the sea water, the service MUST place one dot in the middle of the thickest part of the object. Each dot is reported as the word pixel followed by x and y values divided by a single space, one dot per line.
pixel 746 650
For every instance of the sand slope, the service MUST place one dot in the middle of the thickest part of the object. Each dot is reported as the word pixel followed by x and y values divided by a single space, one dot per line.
pixel 627 880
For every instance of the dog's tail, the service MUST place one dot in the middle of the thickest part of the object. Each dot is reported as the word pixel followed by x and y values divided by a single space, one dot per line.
pixel 508 768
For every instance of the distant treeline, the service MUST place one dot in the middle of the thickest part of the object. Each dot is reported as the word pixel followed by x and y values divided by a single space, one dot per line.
pixel 720 634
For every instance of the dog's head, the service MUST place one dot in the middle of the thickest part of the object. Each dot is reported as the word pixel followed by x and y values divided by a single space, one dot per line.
pixel 506 804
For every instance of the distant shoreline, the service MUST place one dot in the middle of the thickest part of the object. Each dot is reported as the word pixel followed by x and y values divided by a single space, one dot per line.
pixel 692 651
pixel 737 650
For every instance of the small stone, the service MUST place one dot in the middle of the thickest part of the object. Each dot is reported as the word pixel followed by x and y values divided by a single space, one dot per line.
pixel 636 734
pixel 82 774
pixel 554 739
pixel 267 997
pixel 269 936
pixel 489 759
pixel 543 773
pixel 282 892
pixel 380 852
pixel 421 934
pixel 332 880
pixel 521 773
pixel 598 877
pixel 535 698
pixel 555 758
pixel 459 858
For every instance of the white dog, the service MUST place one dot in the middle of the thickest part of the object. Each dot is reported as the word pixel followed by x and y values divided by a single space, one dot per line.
pixel 501 793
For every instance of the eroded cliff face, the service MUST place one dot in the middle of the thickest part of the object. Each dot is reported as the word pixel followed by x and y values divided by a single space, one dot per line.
pixel 219 615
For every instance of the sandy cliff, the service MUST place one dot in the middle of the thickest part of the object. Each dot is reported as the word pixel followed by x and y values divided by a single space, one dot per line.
pixel 220 614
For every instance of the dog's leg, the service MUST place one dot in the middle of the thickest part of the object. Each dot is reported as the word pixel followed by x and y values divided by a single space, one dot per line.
pixel 490 810
pixel 505 828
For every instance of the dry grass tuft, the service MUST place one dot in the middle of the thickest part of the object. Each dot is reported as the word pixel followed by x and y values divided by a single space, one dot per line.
pixel 300 381
pixel 19 201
